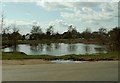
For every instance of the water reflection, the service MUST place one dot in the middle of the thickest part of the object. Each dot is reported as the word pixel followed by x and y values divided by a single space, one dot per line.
pixel 40 46
pixel 100 49
pixel 36 47
pixel 15 48
pixel 49 47
pixel 87 48
pixel 57 45
pixel 72 47
pixel 57 49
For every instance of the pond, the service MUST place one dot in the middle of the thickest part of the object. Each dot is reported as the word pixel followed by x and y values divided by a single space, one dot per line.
pixel 57 49
pixel 67 61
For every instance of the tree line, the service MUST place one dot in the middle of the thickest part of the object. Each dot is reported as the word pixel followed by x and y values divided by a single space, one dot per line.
pixel 101 36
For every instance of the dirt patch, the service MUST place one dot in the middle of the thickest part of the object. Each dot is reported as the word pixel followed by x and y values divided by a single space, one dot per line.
pixel 25 62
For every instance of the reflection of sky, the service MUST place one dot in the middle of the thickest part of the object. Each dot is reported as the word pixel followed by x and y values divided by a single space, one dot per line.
pixel 7 49
pixel 62 49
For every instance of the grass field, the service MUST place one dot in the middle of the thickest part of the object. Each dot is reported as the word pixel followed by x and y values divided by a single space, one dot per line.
pixel 75 57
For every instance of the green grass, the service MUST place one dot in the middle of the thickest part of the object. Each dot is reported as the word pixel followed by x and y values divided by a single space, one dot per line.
pixel 75 57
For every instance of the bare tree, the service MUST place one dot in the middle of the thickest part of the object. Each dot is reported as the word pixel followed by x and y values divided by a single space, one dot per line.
pixel 15 35
pixel 2 21
pixel 87 34
pixel 102 31
pixel 70 28
pixel 50 30
pixel 102 35
pixel 15 29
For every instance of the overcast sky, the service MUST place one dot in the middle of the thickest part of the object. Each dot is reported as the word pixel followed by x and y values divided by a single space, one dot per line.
pixel 82 15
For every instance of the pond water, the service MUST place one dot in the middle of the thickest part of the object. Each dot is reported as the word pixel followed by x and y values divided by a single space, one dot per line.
pixel 67 61
pixel 57 49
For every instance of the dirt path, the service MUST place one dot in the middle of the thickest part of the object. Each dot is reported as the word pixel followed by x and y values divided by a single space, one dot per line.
pixel 88 71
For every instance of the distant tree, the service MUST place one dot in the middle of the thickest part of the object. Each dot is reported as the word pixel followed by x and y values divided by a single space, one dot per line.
pixel 14 28
pixel 74 33
pixel 71 33
pixel 5 33
pixel 70 28
pixel 15 35
pixel 49 32
pixel 102 31
pixel 114 38
pixel 86 34
pixel 56 35
pixel 95 35
pixel 23 37
pixel 36 32
pixel 102 36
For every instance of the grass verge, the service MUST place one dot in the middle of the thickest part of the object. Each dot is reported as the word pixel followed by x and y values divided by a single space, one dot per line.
pixel 74 57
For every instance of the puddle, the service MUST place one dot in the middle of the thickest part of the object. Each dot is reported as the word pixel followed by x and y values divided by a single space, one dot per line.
pixel 67 61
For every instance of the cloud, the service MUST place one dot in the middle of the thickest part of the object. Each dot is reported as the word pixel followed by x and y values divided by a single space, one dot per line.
pixel 17 22
pixel 90 12
pixel 65 5
pixel 80 10
pixel 103 12
pixel 59 0
pixel 16 1
pixel 23 26
pixel 59 25
pixel 59 22
pixel 87 11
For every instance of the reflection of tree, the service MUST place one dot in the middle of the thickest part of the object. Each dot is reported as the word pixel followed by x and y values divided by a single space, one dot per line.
pixel 15 48
pixel 33 47
pixel 87 48
pixel 36 47
pixel 49 47
pixel 57 45
pixel 40 46
pixel 100 49
pixel 72 47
